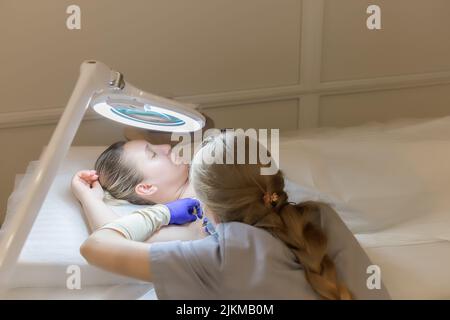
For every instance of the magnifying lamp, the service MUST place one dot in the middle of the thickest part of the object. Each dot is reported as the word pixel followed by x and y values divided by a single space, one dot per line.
pixel 106 92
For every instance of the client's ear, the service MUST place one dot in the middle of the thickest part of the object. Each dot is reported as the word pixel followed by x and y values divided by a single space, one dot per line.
pixel 145 189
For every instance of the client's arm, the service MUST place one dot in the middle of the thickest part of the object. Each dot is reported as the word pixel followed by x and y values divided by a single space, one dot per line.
pixel 87 189
pixel 90 194
pixel 115 247
pixel 111 251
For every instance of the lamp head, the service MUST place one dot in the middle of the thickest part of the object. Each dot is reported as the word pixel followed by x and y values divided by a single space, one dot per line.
pixel 122 102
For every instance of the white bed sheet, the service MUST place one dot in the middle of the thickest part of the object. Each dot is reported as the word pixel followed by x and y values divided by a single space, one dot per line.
pixel 414 271
pixel 390 183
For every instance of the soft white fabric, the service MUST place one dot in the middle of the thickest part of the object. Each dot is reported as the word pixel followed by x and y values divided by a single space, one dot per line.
pixel 414 271
pixel 390 183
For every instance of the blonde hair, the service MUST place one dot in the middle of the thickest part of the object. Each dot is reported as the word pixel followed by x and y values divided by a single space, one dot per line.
pixel 117 176
pixel 235 192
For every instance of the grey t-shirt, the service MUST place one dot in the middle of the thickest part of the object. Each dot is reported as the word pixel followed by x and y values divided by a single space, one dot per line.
pixel 245 262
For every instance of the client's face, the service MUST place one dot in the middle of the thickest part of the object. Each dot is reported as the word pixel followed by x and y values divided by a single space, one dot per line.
pixel 164 174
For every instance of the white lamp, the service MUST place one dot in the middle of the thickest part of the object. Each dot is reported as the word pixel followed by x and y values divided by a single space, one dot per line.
pixel 108 94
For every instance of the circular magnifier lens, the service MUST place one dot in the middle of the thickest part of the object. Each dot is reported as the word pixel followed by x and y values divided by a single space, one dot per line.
pixel 132 112
pixel 147 115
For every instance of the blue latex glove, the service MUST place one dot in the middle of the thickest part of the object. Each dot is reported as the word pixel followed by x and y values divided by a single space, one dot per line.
pixel 184 210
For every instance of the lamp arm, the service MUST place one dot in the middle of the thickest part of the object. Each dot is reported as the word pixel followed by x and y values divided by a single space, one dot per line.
pixel 93 77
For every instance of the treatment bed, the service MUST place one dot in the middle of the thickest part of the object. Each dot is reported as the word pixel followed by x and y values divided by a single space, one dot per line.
pixel 389 182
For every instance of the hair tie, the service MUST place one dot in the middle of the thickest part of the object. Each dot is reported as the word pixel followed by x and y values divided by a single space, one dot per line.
pixel 270 199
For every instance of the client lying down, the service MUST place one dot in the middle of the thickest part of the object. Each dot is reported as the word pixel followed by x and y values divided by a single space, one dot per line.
pixel 141 173
pixel 264 246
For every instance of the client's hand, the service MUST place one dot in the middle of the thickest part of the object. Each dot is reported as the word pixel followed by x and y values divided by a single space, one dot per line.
pixel 184 210
pixel 85 184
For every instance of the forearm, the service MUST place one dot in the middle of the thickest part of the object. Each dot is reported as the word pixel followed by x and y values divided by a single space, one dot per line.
pixel 118 246
pixel 110 247
pixel 97 213
pixel 141 224
pixel 109 250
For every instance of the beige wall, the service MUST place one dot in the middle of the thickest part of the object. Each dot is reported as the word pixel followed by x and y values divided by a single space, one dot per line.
pixel 254 63
pixel 413 39
pixel 381 106
pixel 173 48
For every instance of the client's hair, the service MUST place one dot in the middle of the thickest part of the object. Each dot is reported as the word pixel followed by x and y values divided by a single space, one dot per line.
pixel 117 176
pixel 235 192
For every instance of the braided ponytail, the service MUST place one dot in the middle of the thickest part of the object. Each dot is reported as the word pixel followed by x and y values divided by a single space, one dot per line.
pixel 295 226
pixel 238 192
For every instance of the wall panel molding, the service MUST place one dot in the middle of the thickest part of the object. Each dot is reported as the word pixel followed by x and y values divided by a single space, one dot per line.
pixel 311 62
pixel 49 116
